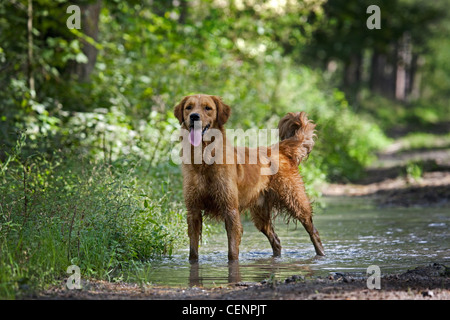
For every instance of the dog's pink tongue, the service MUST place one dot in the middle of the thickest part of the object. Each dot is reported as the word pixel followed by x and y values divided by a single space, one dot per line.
pixel 195 136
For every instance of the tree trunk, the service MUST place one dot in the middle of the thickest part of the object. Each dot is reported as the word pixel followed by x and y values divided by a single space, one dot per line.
pixel 378 77
pixel 183 11
pixel 416 77
pixel 352 76
pixel 403 69
pixel 30 73
pixel 412 74
pixel 382 73
pixel 90 15
pixel 352 72
pixel 374 74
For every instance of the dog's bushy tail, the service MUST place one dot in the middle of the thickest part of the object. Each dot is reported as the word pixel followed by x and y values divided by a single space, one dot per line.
pixel 296 135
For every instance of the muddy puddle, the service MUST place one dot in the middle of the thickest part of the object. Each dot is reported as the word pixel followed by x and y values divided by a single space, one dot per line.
pixel 355 235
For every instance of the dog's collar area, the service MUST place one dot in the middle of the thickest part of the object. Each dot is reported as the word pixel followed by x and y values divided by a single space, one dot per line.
pixel 205 128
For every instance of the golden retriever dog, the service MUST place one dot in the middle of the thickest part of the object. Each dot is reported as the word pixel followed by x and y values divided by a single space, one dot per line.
pixel 224 189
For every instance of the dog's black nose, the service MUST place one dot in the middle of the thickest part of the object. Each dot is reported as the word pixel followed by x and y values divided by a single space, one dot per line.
pixel 194 117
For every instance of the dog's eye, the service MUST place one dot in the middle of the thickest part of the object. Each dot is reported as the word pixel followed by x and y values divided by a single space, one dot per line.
pixel 188 107
pixel 208 108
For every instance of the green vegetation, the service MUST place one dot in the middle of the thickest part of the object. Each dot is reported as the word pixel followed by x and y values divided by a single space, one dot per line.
pixel 72 210
pixel 86 115
pixel 414 171
pixel 422 140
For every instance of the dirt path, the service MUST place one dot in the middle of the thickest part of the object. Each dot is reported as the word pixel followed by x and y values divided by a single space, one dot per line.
pixel 389 183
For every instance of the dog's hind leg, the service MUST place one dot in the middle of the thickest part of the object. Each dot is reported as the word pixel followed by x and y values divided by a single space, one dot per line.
pixel 194 221
pixel 313 235
pixel 262 220
pixel 298 206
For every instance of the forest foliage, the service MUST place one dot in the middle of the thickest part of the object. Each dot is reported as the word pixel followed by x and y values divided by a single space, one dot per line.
pixel 86 115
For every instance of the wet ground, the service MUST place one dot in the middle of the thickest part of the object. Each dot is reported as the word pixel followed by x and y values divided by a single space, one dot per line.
pixel 355 236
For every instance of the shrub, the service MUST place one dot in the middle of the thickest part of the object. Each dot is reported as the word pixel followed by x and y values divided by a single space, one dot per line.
pixel 72 210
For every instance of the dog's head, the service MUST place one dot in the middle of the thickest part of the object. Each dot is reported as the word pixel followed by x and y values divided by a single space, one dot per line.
pixel 200 112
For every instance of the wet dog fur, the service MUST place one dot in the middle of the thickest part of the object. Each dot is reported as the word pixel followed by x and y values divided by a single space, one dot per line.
pixel 224 191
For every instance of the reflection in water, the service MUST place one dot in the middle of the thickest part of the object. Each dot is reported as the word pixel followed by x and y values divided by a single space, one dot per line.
pixel 234 275
pixel 354 238
pixel 262 269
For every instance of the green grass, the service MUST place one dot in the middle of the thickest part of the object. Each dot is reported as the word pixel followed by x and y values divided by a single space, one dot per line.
pixel 106 219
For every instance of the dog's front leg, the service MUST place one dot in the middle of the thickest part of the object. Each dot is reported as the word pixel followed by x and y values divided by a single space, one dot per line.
pixel 234 233
pixel 194 221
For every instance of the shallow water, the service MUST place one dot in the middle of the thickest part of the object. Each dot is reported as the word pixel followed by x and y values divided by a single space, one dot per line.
pixel 354 237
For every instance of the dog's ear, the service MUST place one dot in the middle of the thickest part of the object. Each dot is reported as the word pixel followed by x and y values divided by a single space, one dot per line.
pixel 178 110
pixel 223 110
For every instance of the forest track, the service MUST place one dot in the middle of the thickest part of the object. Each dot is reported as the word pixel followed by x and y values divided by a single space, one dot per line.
pixel 389 181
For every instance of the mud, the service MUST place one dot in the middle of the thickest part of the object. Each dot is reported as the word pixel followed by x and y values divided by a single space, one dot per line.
pixel 431 282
